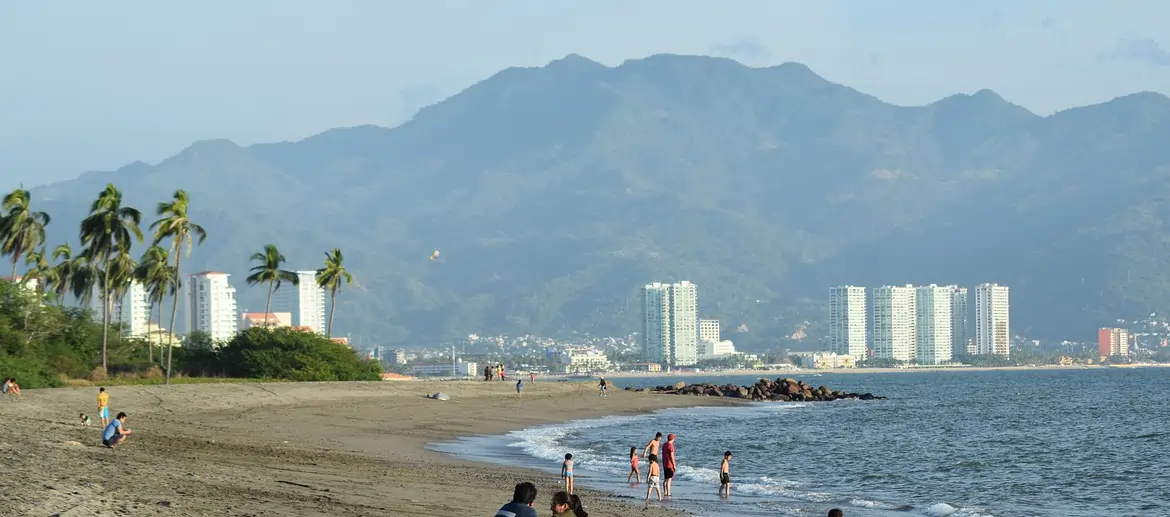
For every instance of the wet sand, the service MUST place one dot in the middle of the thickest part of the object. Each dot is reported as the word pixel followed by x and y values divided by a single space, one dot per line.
pixel 337 449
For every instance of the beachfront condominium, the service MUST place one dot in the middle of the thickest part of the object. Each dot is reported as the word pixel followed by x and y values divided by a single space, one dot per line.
pixel 894 323
pixel 847 321
pixel 670 323
pixel 212 305
pixel 131 312
pixel 1112 341
pixel 992 320
pixel 709 331
pixel 933 321
pixel 959 318
pixel 305 301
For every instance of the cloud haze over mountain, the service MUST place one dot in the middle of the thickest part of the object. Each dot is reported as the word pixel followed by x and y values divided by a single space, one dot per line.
pixel 95 85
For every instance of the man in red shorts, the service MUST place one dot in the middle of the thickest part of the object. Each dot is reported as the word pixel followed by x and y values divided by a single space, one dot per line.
pixel 667 464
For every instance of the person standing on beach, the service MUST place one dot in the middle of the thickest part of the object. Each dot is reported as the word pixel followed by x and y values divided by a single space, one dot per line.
pixel 521 505
pixel 652 478
pixel 603 386
pixel 104 406
pixel 725 475
pixel 531 376
pixel 567 472
pixel 667 464
pixel 652 447
pixel 519 386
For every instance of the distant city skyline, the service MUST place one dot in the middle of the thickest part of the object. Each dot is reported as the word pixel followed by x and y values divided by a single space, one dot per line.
pixel 923 324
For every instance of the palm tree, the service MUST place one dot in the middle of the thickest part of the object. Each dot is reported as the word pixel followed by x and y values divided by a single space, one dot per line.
pixel 269 272
pixel 22 230
pixel 154 273
pixel 85 276
pixel 332 277
pixel 174 224
pixel 40 270
pixel 121 276
pixel 60 282
pixel 107 230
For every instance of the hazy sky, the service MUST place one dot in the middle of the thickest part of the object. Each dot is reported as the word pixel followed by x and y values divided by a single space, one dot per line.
pixel 94 85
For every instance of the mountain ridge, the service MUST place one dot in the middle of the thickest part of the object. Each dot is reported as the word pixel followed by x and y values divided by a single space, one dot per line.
pixel 554 192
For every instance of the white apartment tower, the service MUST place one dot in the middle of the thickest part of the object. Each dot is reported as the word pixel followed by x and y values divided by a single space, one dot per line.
pixel 213 305
pixel 959 332
pixel 670 323
pixel 933 305
pixel 847 321
pixel 709 330
pixel 895 333
pixel 305 301
pixel 992 320
pixel 134 311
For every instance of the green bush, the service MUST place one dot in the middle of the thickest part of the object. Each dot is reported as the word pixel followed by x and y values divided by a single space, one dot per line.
pixel 294 355
pixel 30 372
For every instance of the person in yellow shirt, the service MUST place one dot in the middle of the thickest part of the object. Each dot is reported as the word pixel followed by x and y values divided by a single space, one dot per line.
pixel 104 406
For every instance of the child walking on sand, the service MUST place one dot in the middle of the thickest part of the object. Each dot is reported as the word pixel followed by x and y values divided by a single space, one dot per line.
pixel 725 475
pixel 567 472
pixel 634 476
pixel 652 478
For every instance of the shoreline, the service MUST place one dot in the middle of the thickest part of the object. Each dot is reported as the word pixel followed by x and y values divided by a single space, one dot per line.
pixel 293 448
pixel 853 371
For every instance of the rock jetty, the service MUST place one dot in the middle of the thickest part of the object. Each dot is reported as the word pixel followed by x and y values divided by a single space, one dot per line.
pixel 778 390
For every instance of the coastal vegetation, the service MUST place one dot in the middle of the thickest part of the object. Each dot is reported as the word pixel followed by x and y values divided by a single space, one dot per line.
pixel 57 319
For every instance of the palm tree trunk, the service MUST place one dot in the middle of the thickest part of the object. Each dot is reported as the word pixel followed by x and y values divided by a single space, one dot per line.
pixel 105 311
pixel 149 346
pixel 14 259
pixel 174 307
pixel 268 307
pixel 332 307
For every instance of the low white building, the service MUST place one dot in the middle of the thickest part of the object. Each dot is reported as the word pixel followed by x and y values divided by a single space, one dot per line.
pixel 828 360
pixel 459 369
pixel 584 360
pixel 715 349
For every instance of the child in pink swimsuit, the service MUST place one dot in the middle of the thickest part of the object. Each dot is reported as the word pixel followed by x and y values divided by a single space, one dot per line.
pixel 634 474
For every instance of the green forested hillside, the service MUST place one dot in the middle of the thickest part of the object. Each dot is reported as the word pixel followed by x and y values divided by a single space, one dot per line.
pixel 553 193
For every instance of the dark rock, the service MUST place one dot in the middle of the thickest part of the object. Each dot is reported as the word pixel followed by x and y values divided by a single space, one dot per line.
pixel 780 390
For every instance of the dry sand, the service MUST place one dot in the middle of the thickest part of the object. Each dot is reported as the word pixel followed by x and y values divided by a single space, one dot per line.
pixel 338 449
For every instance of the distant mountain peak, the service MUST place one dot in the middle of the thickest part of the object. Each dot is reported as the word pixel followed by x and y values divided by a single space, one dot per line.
pixel 575 61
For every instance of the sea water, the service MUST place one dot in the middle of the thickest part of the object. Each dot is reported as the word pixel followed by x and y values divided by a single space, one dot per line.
pixel 1045 443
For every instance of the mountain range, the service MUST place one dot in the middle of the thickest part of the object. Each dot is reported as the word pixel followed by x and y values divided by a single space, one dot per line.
pixel 554 193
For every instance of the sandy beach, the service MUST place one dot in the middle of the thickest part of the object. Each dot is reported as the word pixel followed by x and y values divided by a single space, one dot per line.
pixel 338 449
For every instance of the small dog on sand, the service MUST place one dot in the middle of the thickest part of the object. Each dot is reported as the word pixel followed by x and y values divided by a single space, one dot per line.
pixel 85 419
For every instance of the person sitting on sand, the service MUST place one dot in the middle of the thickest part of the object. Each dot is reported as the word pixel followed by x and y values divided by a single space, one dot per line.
pixel 521 505
pixel 11 387
pixel 577 506
pixel 652 478
pixel 562 505
pixel 4 387
pixel 116 432
pixel 836 512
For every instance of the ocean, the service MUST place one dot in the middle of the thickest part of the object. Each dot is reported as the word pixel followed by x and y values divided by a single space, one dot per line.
pixel 1045 443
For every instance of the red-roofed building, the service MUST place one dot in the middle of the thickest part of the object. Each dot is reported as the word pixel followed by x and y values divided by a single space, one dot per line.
pixel 270 319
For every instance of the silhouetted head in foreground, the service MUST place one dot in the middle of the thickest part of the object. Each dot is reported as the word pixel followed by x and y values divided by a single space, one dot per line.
pixel 576 506
pixel 836 512
pixel 525 493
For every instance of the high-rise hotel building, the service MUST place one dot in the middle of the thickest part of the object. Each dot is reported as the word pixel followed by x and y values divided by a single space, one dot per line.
pixel 895 331
pixel 305 301
pixel 992 320
pixel 847 321
pixel 670 323
pixel 213 305
pixel 933 320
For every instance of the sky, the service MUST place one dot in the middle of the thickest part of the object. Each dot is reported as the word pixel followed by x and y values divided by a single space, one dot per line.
pixel 96 85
